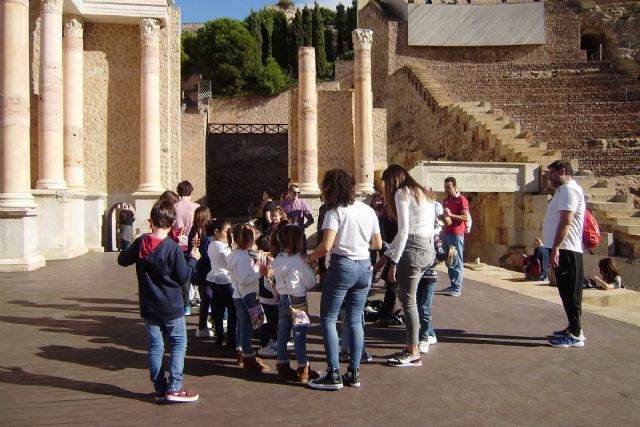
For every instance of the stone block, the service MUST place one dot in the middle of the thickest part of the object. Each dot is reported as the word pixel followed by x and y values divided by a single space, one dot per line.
pixel 19 241
pixel 94 208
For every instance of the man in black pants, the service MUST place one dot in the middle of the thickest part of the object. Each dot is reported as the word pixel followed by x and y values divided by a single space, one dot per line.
pixel 562 235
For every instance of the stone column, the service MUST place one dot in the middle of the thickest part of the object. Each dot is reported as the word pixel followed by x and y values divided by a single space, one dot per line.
pixel 363 152
pixel 73 102
pixel 15 180
pixel 150 180
pixel 307 122
pixel 51 170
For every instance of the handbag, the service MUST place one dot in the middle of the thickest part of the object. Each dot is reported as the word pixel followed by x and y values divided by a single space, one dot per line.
pixel 299 316
pixel 256 313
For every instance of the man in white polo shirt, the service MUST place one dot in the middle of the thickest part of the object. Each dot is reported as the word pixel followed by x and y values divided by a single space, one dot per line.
pixel 562 234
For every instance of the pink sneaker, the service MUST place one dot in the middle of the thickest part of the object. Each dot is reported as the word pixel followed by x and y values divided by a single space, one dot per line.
pixel 182 395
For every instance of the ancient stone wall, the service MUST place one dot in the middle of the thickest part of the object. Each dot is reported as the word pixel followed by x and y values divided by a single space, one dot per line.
pixel 239 167
pixel 250 109
pixel 112 103
pixel 112 107
pixel 193 139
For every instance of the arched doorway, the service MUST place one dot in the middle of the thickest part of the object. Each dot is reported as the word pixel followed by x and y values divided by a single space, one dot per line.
pixel 111 229
pixel 591 42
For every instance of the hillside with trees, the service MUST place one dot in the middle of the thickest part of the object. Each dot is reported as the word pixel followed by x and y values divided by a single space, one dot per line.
pixel 260 54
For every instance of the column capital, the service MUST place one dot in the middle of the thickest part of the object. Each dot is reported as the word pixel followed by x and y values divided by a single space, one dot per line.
pixel 73 26
pixel 362 39
pixel 149 28
pixel 52 6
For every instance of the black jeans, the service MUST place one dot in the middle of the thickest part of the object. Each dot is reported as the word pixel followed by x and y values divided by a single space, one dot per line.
pixel 206 294
pixel 569 277
pixel 269 330
pixel 223 298
pixel 390 295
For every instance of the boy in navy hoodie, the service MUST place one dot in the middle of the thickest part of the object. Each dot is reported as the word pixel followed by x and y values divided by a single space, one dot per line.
pixel 161 269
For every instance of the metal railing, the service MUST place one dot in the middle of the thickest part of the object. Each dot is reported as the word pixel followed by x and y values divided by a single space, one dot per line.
pixel 236 128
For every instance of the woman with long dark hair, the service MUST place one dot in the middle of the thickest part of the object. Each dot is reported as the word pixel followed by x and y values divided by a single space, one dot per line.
pixel 350 230
pixel 411 253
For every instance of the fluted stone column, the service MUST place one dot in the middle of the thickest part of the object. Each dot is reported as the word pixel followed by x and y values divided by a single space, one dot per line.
pixel 15 180
pixel 363 153
pixel 73 102
pixel 150 180
pixel 51 171
pixel 307 122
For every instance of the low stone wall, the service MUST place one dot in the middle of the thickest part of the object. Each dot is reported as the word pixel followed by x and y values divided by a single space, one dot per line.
pixel 250 109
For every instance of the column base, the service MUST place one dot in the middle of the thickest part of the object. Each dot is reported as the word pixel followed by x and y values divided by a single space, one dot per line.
pixel 150 188
pixel 19 241
pixel 365 188
pixel 309 189
pixel 51 184
pixel 17 201
pixel 143 202
pixel 60 223
pixel 95 207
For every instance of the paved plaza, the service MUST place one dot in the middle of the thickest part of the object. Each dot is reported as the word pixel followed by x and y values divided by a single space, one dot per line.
pixel 73 352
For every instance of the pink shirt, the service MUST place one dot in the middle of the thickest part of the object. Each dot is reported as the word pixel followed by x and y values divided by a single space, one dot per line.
pixel 184 220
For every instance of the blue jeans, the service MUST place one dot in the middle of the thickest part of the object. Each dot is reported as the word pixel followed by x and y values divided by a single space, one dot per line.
pixel 285 324
pixel 244 326
pixel 344 337
pixel 424 297
pixel 176 331
pixel 456 269
pixel 346 281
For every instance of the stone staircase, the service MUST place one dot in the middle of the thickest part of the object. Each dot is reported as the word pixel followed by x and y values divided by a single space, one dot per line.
pixel 614 212
pixel 490 129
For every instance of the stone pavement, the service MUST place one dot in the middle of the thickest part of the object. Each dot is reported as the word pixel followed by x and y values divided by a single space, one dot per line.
pixel 73 352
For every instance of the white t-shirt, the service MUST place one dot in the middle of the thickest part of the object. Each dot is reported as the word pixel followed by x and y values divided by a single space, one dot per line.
pixel 355 225
pixel 568 197
pixel 293 276
pixel 413 218
pixel 218 252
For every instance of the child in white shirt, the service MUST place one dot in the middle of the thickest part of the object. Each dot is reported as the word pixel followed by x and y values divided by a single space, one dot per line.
pixel 293 278
pixel 245 274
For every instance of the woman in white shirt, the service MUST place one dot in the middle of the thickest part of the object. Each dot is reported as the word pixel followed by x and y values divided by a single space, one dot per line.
pixel 350 230
pixel 411 252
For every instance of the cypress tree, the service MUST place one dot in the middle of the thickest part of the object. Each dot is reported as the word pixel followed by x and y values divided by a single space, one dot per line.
pixel 279 40
pixel 352 21
pixel 307 25
pixel 296 37
pixel 253 24
pixel 267 49
pixel 317 39
pixel 341 27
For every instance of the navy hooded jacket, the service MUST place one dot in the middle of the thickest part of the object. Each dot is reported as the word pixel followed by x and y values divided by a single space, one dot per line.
pixel 160 275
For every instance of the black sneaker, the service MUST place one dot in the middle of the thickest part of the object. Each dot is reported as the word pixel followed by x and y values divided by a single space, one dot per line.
pixel 405 359
pixel 352 377
pixel 328 380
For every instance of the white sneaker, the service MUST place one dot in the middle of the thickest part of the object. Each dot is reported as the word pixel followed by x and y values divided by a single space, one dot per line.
pixel 204 333
pixel 432 340
pixel 224 325
pixel 290 344
pixel 209 325
pixel 424 347
pixel 267 351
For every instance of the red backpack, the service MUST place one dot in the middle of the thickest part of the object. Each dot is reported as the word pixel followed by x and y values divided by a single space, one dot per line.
pixel 590 231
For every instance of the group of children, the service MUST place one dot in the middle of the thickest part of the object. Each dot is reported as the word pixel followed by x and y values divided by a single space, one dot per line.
pixel 254 280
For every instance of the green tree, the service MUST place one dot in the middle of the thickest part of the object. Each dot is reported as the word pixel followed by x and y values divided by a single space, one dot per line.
pixel 187 63
pixel 341 27
pixel 328 16
pixel 253 23
pixel 317 40
pixel 272 79
pixel 227 54
pixel 296 40
pixel 283 4
pixel 267 47
pixel 307 25
pixel 328 45
pixel 279 40
pixel 352 21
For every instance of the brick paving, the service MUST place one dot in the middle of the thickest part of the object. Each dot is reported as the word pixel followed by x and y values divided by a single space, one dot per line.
pixel 73 352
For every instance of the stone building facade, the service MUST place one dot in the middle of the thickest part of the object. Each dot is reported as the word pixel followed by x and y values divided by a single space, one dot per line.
pixel 92 99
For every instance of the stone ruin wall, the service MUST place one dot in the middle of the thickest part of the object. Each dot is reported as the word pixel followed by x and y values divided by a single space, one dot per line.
pixel 112 103
pixel 250 109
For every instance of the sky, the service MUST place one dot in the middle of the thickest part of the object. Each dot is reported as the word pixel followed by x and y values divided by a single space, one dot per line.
pixel 205 10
